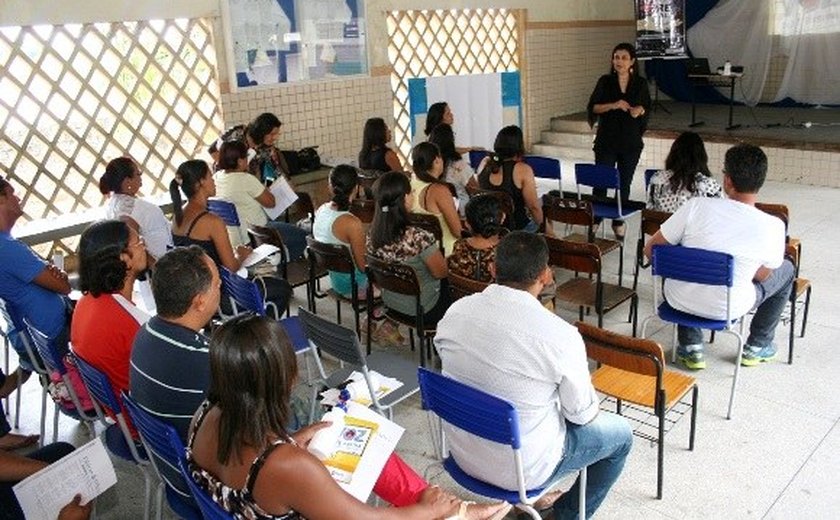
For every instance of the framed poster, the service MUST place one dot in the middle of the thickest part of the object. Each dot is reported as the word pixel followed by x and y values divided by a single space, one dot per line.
pixel 283 41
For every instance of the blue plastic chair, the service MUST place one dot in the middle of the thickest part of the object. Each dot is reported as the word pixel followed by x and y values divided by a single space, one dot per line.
pixel 245 295
pixel 14 332
pixel 476 156
pixel 117 436
pixel 164 457
pixel 225 210
pixel 545 168
pixel 602 176
pixel 689 264
pixel 54 363
pixel 488 417
pixel 209 508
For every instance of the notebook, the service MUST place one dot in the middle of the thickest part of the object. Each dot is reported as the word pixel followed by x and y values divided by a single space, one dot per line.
pixel 698 67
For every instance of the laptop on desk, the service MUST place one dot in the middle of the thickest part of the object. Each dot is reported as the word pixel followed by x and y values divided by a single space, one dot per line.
pixel 698 67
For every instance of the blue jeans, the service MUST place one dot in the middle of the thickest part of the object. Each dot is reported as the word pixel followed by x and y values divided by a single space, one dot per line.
pixel 294 238
pixel 601 445
pixel 771 296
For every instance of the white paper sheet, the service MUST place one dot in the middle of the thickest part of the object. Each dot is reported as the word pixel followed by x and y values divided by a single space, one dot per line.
pixel 87 471
pixel 284 196
pixel 261 252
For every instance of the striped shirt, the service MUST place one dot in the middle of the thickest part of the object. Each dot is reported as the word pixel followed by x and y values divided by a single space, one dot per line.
pixel 170 372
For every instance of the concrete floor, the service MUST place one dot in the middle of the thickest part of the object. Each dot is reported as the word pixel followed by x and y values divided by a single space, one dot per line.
pixel 776 458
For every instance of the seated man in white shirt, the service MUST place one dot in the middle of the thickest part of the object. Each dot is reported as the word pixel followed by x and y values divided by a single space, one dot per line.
pixel 506 343
pixel 762 278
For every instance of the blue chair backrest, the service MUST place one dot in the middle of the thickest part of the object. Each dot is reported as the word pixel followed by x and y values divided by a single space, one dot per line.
pixel 476 156
pixel 225 210
pixel 597 176
pixel 690 264
pixel 98 385
pixel 156 434
pixel 648 174
pixel 243 291
pixel 46 349
pixel 469 409
pixel 294 329
pixel 209 509
pixel 544 167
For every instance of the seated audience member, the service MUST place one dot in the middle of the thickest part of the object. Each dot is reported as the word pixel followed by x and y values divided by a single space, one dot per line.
pixel 504 170
pixel 111 256
pixel 30 287
pixel 11 441
pixel 235 133
pixel 192 224
pixel 121 182
pixel 250 196
pixel 457 170
pixel 170 365
pixel 267 163
pixel 686 175
pixel 334 224
pixel 439 113
pixel 392 239
pixel 432 195
pixel 539 364
pixel 241 453
pixel 762 276
pixel 14 468
pixel 375 154
pixel 473 257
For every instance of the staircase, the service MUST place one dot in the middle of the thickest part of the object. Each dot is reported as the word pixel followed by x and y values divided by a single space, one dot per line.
pixel 568 139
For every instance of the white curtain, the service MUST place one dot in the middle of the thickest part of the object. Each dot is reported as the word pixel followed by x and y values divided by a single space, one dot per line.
pixel 803 33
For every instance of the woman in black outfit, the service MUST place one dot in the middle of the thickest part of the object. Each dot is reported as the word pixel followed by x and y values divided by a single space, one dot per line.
pixel 619 104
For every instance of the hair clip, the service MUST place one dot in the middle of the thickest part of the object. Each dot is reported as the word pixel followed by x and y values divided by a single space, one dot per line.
pixel 179 179
pixel 384 209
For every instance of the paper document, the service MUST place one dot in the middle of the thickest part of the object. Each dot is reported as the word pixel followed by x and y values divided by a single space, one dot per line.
pixel 259 254
pixel 284 196
pixel 87 471
pixel 363 445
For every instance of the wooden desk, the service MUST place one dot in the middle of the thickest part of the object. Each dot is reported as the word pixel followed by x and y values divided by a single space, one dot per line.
pixel 715 80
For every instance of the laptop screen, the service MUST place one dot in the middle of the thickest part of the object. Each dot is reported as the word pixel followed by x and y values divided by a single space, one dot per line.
pixel 698 66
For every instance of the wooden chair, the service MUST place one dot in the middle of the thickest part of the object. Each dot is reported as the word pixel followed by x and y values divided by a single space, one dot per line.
pixel 588 292
pixel 801 286
pixel 363 209
pixel 401 279
pixel 651 222
pixel 430 223
pixel 336 258
pixel 632 370
pixel 296 272
pixel 460 286
pixel 579 213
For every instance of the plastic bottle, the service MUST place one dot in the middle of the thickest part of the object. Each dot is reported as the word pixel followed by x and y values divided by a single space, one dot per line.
pixel 727 68
pixel 323 442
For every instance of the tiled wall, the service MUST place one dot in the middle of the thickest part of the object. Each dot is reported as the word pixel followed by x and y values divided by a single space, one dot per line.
pixel 330 114
pixel 563 61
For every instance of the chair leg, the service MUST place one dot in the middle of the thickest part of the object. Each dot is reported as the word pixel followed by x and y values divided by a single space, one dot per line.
pixel 660 455
pixel 694 393
pixel 43 412
pixel 582 494
pixel 792 323
pixel 634 308
pixel 674 343
pixel 621 262
pixel 159 500
pixel 55 421
pixel 735 377
pixel 805 311
pixel 17 404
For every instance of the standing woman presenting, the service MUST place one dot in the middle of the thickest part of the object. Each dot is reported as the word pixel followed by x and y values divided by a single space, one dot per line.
pixel 619 104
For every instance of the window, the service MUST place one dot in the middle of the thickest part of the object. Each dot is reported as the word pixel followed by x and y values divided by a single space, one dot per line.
pixel 74 96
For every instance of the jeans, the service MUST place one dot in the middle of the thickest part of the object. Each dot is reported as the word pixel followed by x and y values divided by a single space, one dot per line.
pixel 294 238
pixel 601 445
pixel 626 163
pixel 771 296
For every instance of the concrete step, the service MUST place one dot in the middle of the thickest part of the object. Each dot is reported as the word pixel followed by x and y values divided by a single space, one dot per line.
pixel 565 124
pixel 566 139
pixel 565 153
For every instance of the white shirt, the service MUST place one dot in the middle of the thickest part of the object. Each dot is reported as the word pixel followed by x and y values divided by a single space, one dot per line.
pixel 242 189
pixel 505 343
pixel 753 237
pixel 154 227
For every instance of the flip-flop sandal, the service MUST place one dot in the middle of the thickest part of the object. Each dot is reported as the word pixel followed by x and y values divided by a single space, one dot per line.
pixel 24 441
